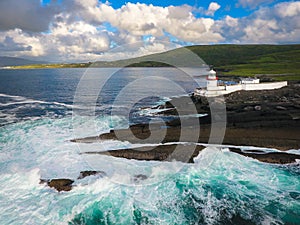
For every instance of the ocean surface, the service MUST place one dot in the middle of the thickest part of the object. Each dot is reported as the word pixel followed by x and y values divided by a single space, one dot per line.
pixel 41 110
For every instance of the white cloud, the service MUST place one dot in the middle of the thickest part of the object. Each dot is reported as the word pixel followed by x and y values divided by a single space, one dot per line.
pixel 288 9
pixel 268 25
pixel 19 43
pixel 141 19
pixel 212 8
pixel 80 31
pixel 26 15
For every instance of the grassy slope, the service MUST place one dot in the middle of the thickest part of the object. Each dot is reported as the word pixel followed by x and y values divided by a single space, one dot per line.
pixel 279 61
pixel 282 62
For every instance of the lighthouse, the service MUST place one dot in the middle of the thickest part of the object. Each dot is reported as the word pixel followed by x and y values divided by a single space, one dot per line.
pixel 213 89
pixel 212 81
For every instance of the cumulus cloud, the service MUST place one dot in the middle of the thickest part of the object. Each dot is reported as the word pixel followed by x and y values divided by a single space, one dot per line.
pixel 267 25
pixel 212 8
pixel 87 30
pixel 26 15
pixel 288 9
pixel 20 43
pixel 141 19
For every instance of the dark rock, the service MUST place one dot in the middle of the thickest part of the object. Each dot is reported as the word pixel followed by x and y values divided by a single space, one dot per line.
pixel 139 177
pixel 270 157
pixel 177 152
pixel 295 195
pixel 84 174
pixel 168 105
pixel 248 108
pixel 254 151
pixel 61 184
pixel 283 99
pixel 280 108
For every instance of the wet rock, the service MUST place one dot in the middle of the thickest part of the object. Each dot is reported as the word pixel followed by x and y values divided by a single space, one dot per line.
pixel 280 108
pixel 254 151
pixel 248 108
pixel 174 152
pixel 295 195
pixel 284 99
pixel 270 157
pixel 87 173
pixel 138 178
pixel 61 184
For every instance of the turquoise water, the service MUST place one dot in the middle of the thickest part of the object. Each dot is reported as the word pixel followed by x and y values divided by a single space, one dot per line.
pixel 220 188
pixel 36 126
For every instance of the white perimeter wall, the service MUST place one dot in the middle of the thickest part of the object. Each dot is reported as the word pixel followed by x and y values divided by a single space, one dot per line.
pixel 233 88
pixel 220 90
pixel 264 86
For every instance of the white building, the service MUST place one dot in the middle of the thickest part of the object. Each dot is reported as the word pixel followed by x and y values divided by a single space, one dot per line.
pixel 213 89
pixel 249 80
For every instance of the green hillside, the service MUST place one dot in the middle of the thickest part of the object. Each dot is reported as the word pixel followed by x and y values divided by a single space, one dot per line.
pixel 281 62
pixel 221 55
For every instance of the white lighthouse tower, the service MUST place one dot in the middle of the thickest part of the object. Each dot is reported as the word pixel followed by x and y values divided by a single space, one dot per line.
pixel 212 81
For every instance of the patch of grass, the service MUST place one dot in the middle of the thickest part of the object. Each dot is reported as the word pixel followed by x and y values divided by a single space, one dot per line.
pixel 287 77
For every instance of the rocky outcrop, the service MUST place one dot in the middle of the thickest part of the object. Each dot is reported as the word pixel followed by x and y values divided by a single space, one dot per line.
pixel 177 152
pixel 84 174
pixel 164 153
pixel 270 157
pixel 63 184
pixel 139 178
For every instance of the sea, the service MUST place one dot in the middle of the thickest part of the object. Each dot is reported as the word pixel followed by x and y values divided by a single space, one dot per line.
pixel 41 110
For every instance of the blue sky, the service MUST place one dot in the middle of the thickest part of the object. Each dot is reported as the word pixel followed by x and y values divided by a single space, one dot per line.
pixel 71 30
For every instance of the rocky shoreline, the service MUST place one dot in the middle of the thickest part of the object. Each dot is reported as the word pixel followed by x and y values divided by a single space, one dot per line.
pixel 269 119
pixel 253 118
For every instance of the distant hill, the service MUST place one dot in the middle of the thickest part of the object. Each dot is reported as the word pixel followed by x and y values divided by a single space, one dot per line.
pixel 216 55
pixel 14 61
pixel 281 62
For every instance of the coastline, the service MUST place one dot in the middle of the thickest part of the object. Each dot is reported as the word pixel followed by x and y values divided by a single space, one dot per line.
pixel 268 119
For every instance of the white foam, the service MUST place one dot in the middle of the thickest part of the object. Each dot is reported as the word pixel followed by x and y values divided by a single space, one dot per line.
pixel 15 97
pixel 20 100
pixel 31 101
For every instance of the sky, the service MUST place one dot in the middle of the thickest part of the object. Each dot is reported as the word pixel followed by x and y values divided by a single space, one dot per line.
pixel 90 30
